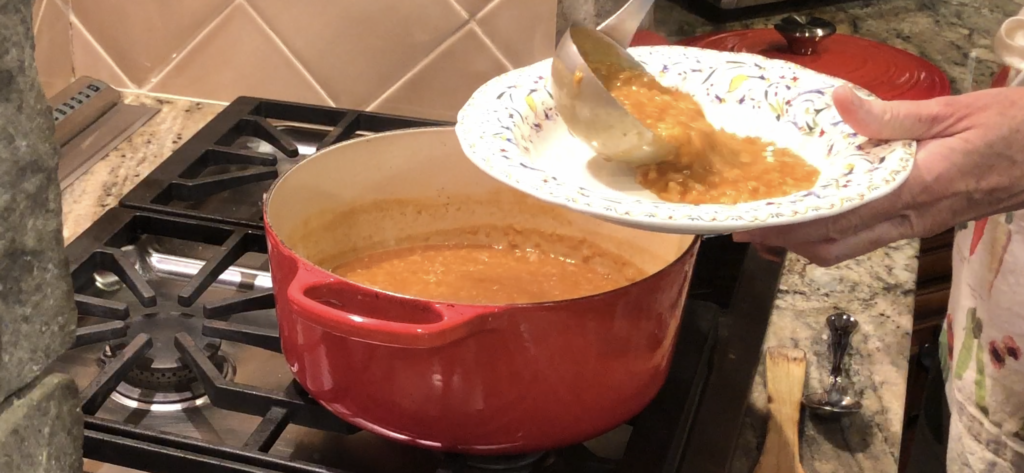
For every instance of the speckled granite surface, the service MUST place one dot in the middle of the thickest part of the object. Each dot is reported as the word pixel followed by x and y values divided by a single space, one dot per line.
pixel 941 31
pixel 104 184
pixel 877 288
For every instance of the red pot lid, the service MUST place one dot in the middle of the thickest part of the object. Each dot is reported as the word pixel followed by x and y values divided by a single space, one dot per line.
pixel 648 38
pixel 888 72
pixel 1001 77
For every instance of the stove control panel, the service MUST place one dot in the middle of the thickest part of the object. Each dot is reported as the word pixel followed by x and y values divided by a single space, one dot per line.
pixel 79 105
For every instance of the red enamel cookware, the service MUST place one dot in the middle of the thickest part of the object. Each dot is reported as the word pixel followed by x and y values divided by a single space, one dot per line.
pixel 886 71
pixel 1001 77
pixel 480 379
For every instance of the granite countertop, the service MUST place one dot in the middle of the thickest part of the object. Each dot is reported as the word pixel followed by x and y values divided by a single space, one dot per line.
pixel 877 288
pixel 102 186
pixel 944 32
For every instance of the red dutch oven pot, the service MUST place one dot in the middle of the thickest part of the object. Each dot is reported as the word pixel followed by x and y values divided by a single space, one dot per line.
pixel 1001 77
pixel 479 379
pixel 886 71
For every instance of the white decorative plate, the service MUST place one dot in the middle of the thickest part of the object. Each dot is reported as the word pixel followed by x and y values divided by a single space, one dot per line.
pixel 511 130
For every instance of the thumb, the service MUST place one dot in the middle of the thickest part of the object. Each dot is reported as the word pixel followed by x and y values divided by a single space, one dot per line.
pixel 896 120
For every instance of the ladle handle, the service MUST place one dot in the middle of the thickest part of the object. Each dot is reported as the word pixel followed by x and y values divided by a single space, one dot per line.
pixel 621 27
pixel 803 34
pixel 841 327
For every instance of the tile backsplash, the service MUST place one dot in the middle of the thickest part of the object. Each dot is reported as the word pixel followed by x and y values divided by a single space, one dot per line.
pixel 52 27
pixel 410 57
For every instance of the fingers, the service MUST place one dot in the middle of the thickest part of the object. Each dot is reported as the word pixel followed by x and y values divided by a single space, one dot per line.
pixel 911 195
pixel 771 253
pixel 828 253
pixel 895 120
pixel 830 228
pixel 827 241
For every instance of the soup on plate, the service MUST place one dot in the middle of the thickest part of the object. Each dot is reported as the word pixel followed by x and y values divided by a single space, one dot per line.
pixel 710 166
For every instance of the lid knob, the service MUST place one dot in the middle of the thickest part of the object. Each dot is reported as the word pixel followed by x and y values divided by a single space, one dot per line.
pixel 804 33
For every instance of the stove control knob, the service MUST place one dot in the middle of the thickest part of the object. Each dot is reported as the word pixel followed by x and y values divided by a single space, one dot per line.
pixel 804 33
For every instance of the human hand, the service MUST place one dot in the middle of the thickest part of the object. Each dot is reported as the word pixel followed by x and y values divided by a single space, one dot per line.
pixel 969 164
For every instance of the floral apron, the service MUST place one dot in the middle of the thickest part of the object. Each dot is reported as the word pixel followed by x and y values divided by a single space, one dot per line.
pixel 981 347
pixel 984 330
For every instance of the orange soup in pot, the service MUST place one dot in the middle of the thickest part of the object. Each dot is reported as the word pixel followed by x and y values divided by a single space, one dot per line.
pixel 503 272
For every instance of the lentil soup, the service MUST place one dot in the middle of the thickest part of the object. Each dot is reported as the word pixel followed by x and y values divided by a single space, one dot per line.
pixel 711 166
pixel 516 266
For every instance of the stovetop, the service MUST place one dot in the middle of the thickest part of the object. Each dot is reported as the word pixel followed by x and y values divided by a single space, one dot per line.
pixel 178 359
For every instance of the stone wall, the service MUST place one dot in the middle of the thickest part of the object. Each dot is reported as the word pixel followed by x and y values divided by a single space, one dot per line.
pixel 40 420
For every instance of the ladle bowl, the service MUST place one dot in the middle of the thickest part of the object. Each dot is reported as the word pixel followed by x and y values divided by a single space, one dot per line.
pixel 589 110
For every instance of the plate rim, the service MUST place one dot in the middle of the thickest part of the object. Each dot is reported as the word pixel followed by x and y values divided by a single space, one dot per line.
pixel 693 227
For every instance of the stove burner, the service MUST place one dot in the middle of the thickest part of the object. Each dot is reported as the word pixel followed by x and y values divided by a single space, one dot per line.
pixel 162 368
pixel 162 396
pixel 506 462
pixel 161 404
pixel 221 173
pixel 525 463
pixel 161 381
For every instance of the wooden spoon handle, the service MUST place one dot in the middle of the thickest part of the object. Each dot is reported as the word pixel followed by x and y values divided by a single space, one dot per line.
pixel 785 370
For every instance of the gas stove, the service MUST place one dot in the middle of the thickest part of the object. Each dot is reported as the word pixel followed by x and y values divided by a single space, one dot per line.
pixel 177 354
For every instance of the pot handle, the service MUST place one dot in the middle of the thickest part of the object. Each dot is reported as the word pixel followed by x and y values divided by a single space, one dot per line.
pixel 380 317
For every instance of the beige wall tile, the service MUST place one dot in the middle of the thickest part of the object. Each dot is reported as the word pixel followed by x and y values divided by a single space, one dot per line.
pixel 356 50
pixel 142 37
pixel 521 30
pixel 473 6
pixel 53 46
pixel 238 56
pixel 37 7
pixel 88 59
pixel 440 87
pixel 415 57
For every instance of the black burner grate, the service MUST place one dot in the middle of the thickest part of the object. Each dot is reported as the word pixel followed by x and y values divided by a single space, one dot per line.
pixel 175 283
pixel 101 248
pixel 222 172
pixel 658 431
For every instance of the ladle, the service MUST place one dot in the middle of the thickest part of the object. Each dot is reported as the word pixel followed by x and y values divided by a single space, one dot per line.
pixel 587 108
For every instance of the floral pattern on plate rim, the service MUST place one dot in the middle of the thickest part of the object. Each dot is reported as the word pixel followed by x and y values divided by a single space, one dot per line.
pixel 499 124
